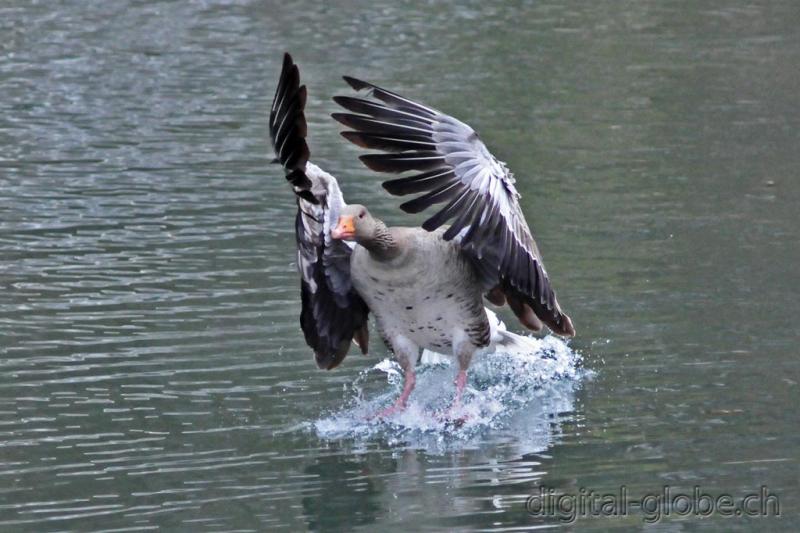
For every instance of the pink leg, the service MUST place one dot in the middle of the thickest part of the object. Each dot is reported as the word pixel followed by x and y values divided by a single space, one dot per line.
pixel 410 379
pixel 451 415
pixel 463 349
pixel 461 382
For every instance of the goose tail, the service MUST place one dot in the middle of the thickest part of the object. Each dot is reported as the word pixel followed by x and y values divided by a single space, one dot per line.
pixel 507 342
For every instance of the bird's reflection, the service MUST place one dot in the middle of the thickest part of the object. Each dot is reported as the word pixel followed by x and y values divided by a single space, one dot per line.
pixel 344 491
pixel 382 473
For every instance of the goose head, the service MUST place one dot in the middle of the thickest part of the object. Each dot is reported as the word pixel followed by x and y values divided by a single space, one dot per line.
pixel 356 224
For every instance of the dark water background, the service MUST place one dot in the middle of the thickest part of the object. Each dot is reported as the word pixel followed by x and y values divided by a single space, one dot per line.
pixel 153 372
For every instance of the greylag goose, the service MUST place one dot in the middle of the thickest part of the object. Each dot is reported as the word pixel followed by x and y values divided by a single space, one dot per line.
pixel 425 286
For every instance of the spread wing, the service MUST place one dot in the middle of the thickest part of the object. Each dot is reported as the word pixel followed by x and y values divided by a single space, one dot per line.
pixel 332 312
pixel 453 167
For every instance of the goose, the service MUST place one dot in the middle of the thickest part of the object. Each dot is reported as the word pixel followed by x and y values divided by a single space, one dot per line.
pixel 425 285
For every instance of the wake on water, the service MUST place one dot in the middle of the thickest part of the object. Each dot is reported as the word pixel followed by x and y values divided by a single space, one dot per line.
pixel 517 393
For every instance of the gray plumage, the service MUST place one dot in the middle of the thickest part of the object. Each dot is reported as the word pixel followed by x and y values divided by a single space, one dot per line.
pixel 477 190
pixel 425 286
pixel 332 312
pixel 425 292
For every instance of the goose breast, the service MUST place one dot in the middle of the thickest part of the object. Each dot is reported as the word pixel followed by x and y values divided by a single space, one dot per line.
pixel 426 293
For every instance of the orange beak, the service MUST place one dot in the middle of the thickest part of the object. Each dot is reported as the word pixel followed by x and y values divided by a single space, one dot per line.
pixel 345 229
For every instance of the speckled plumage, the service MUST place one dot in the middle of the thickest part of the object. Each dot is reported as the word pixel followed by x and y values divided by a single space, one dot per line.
pixel 426 293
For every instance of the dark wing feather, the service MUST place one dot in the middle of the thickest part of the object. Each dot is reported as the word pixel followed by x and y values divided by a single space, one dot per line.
pixel 332 312
pixel 480 200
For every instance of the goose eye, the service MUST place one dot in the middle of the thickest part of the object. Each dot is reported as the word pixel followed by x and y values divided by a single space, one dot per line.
pixel 361 215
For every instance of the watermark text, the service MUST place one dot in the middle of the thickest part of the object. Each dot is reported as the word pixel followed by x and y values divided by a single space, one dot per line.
pixel 586 503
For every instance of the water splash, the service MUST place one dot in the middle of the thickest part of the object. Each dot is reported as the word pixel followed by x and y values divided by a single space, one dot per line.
pixel 519 395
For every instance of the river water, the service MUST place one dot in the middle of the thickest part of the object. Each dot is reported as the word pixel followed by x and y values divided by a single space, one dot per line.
pixel 153 373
